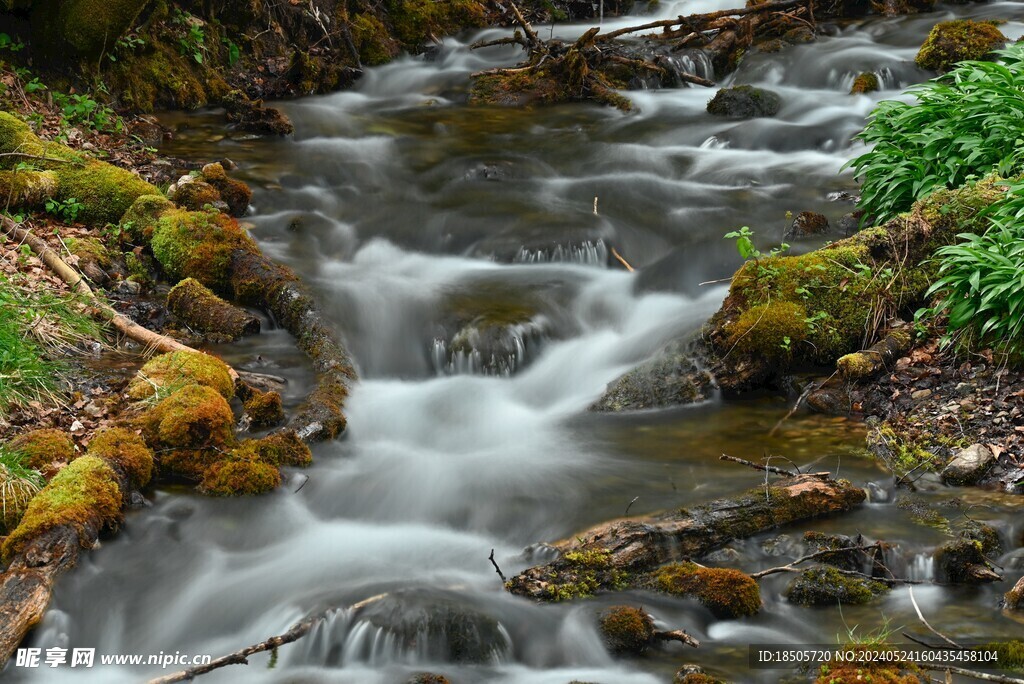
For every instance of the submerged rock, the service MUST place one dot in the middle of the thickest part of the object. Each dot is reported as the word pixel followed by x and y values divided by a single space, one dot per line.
pixel 745 102
pixel 954 41
pixel 825 585
pixel 866 82
pixel 968 466
pixel 807 224
pixel 727 593
pixel 845 556
pixel 672 378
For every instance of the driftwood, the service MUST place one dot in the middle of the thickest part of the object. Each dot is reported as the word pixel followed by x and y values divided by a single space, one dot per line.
pixel 200 309
pixel 123 324
pixel 703 19
pixel 609 555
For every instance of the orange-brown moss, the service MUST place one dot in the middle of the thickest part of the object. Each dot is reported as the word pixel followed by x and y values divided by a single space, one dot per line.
pixel 125 450
pixel 626 630
pixel 279 449
pixel 862 673
pixel 954 41
pixel 240 477
pixel 264 409
pixel 83 495
pixel 43 448
pixel 194 195
pixel 164 374
pixel 193 244
pixel 727 593
pixel 235 194
pixel 190 430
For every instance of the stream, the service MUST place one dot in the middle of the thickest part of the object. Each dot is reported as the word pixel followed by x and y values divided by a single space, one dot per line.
pixel 416 218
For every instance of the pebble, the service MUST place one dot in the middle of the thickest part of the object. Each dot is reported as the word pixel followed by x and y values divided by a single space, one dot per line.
pixel 921 394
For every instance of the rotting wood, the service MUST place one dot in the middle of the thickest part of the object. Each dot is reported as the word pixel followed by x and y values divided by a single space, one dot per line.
pixel 610 555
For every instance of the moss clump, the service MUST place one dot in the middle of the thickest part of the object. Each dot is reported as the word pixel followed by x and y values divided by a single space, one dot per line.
pixel 125 450
pixel 81 495
pixel 770 330
pixel 89 249
pixel 27 188
pixel 16 136
pixel 85 28
pixel 372 41
pixel 139 221
pixel 962 561
pixel 105 191
pixel 264 409
pixel 191 430
pixel 866 82
pixel 164 374
pixel 825 585
pixel 43 448
pixel 279 449
pixel 626 630
pixel 727 593
pixel 954 41
pixel 869 673
pixel 417 22
pixel 160 76
pixel 234 193
pixel 585 571
pixel 697 678
pixel 1011 654
pixel 194 195
pixel 192 244
pixel 240 477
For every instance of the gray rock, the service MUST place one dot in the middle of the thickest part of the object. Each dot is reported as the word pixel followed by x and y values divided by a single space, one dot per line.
pixel 671 378
pixel 745 102
pixel 968 466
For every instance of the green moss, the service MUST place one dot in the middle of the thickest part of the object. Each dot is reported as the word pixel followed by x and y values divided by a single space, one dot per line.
pixel 194 417
pixel 727 593
pixel 162 77
pixel 81 495
pixel 163 374
pixel 140 220
pixel 866 82
pixel 240 477
pixel 43 448
pixel 126 451
pixel 826 585
pixel 199 245
pixel 84 28
pixel 698 678
pixel 89 249
pixel 626 630
pixel 417 22
pixel 372 41
pixel 16 136
pixel 1011 654
pixel 584 572
pixel 954 41
pixel 195 195
pixel 770 330
pixel 105 191
pixel 28 189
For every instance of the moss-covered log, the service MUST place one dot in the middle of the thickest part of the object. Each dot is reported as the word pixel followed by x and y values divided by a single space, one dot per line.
pixel 784 312
pixel 624 552
pixel 863 364
pixel 203 311
pixel 67 516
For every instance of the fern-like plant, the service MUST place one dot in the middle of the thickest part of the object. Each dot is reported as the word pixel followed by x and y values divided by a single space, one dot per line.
pixel 962 125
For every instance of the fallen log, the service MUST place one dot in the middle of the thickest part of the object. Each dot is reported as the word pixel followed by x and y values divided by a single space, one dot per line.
pixel 617 554
pixel 863 364
pixel 700 19
pixel 200 309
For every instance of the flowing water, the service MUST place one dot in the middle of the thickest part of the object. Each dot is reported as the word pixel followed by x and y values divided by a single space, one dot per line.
pixel 417 220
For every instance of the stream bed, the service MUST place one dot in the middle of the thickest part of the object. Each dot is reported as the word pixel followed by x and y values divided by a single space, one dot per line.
pixel 418 220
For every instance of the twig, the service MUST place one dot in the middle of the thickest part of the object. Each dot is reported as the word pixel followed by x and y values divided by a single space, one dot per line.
pixel 677 635
pixel 496 568
pixel 710 16
pixel 620 259
pixel 26 155
pixel 931 629
pixel 983 676
pixel 811 386
pixel 635 499
pixel 791 567
pixel 531 35
pixel 758 466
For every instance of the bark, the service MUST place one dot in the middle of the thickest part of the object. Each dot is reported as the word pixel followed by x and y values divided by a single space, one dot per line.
pixel 635 545
pixel 863 364
pixel 200 309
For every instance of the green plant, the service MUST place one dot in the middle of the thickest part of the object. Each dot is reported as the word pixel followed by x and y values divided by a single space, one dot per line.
pixel 8 43
pixel 962 125
pixel 234 52
pixel 193 40
pixel 67 209
pixel 126 45
pixel 980 286
pixel 18 484
pixel 85 110
pixel 745 245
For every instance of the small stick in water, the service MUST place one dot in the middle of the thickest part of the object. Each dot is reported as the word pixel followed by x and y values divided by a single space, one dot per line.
pixel 496 568
pixel 635 499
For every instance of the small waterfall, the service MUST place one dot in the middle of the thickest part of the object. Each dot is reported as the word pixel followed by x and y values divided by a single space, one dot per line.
pixel 692 62
pixel 921 567
pixel 587 253
pixel 488 350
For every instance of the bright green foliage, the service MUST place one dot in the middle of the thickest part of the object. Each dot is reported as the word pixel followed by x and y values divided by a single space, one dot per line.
pixel 18 484
pixel 981 282
pixel 964 124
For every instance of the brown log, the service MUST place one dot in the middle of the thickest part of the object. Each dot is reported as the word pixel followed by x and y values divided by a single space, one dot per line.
pixel 258 281
pixel 694 19
pixel 863 364
pixel 631 545
pixel 200 309
pixel 123 324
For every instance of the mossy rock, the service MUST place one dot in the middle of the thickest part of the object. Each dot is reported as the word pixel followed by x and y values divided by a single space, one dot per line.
pixel 672 378
pixel 139 221
pixel 626 630
pixel 193 244
pixel 190 430
pixel 239 477
pixel 234 193
pixel 727 593
pixel 962 561
pixel 89 249
pixel 81 28
pixel 279 449
pixel 264 409
pixel 1015 597
pixel 825 585
pixel 125 450
pixel 161 77
pixel 955 41
pixel 866 82
pixel 838 549
pixel 163 374
pixel 83 492
pixel 194 194
pixel 43 448
pixel 744 102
